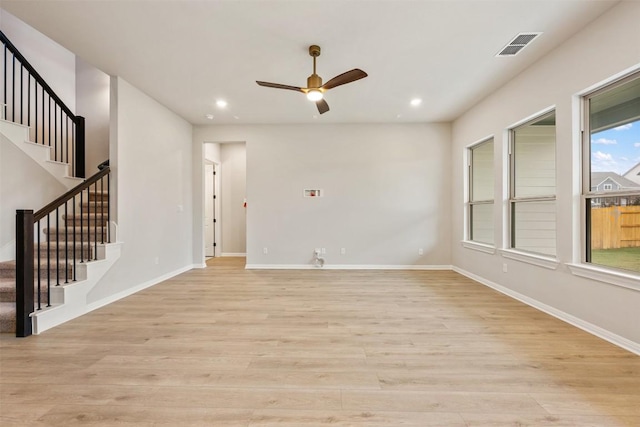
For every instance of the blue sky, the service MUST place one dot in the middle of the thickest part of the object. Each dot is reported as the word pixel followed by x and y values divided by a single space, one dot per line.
pixel 617 149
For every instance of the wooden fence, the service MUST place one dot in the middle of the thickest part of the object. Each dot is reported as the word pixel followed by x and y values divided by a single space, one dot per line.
pixel 615 227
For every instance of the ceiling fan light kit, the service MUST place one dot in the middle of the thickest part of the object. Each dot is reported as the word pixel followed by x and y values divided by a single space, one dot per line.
pixel 315 89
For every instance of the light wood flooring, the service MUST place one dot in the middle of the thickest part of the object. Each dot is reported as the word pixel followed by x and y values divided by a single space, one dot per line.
pixel 224 346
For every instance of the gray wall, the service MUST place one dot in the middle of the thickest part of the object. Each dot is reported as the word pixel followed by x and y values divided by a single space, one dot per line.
pixel 16 168
pixel 92 103
pixel 151 162
pixel 608 46
pixel 386 189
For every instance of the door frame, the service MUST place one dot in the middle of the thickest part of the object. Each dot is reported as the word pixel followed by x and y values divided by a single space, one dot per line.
pixel 216 212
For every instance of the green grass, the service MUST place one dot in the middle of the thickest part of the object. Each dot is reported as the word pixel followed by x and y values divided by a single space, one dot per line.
pixel 625 258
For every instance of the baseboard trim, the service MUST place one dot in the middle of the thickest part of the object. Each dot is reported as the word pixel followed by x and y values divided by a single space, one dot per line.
pixel 225 254
pixel 606 335
pixel 345 267
pixel 127 292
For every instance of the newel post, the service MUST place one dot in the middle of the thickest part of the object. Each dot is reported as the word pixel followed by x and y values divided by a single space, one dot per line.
pixel 80 150
pixel 24 272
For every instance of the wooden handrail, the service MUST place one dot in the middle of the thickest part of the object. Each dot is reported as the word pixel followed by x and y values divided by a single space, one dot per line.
pixel 69 194
pixel 14 50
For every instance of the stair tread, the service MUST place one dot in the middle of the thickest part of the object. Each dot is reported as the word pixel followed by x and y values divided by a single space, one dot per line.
pixel 62 244
pixel 7 283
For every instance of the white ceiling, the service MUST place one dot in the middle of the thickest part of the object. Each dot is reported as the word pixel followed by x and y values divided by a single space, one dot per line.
pixel 188 53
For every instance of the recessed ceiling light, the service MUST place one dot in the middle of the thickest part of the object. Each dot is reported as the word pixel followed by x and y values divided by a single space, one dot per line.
pixel 398 116
pixel 236 117
pixel 416 101
pixel 221 103
pixel 209 116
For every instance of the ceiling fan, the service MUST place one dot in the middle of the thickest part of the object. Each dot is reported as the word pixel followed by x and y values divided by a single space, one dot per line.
pixel 315 89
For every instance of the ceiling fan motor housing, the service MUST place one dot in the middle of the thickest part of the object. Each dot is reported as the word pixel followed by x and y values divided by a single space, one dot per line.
pixel 314 81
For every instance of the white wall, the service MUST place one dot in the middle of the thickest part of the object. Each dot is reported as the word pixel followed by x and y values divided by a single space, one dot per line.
pixel 53 62
pixel 16 169
pixel 151 161
pixel 386 187
pixel 605 48
pixel 92 98
pixel 233 190
pixel 212 152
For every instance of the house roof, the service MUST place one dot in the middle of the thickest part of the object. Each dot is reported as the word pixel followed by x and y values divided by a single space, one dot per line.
pixel 187 54
pixel 598 178
pixel 631 169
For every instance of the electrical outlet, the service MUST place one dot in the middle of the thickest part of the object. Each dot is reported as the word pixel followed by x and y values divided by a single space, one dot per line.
pixel 156 261
pixel 504 267
pixel 420 251
pixel 343 251
pixel 265 250
pixel 324 251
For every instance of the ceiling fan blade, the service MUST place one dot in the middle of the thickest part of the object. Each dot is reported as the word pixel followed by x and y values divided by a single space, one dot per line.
pixel 322 105
pixel 279 86
pixel 344 78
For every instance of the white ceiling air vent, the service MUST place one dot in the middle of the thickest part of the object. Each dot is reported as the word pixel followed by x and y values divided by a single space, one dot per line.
pixel 517 44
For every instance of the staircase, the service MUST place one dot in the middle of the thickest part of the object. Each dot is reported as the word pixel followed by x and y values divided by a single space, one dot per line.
pixel 57 258
pixel 70 236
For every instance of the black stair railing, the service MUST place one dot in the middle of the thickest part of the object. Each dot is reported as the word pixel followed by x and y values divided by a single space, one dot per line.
pixel 30 101
pixel 51 242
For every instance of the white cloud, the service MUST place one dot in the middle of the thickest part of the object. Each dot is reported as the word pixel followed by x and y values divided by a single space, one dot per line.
pixel 637 145
pixel 624 158
pixel 624 127
pixel 602 162
pixel 604 141
pixel 603 157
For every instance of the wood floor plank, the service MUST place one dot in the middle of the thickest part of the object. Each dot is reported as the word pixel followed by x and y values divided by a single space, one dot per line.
pixel 278 418
pixel 428 401
pixel 226 346
pixel 501 420
pixel 146 416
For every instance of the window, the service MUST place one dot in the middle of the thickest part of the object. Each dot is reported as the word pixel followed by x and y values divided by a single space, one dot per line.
pixel 532 190
pixel 481 192
pixel 611 147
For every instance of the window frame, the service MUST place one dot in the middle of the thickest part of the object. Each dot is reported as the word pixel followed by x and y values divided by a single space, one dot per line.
pixel 512 200
pixel 586 193
pixel 470 202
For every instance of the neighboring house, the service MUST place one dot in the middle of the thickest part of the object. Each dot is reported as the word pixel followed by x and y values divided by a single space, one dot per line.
pixel 633 174
pixel 611 181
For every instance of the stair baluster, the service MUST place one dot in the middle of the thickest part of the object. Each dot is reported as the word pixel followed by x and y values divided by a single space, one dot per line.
pixel 53 117
pixel 30 223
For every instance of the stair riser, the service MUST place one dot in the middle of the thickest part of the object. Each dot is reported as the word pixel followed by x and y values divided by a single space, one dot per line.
pixel 99 198
pixel 75 222
pixel 87 253
pixel 91 239
pixel 11 274
pixel 88 207
pixel 11 296
pixel 68 235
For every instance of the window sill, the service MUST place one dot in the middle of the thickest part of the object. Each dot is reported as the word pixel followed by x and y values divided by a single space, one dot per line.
pixel 539 260
pixel 626 280
pixel 481 247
